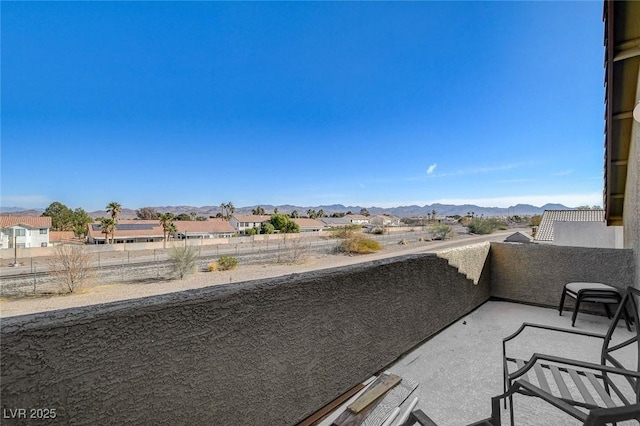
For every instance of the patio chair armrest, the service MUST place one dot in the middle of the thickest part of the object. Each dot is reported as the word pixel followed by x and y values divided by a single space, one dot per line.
pixel 575 363
pixel 551 328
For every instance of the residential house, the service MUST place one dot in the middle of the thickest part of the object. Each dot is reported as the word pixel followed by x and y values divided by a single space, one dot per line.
pixel 309 225
pixel 384 220
pixel 148 231
pixel 128 231
pixel 24 231
pixel 211 228
pixel 519 237
pixel 336 221
pixel 63 237
pixel 358 219
pixel 581 228
pixel 241 223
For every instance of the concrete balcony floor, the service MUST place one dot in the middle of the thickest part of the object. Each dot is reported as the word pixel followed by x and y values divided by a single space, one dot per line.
pixel 460 369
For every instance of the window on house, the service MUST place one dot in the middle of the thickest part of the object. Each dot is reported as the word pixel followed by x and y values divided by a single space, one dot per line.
pixel 20 245
pixel 43 244
pixel 43 230
pixel 19 232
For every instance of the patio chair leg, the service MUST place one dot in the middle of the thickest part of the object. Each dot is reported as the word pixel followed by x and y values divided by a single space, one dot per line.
pixel 511 410
pixel 575 312
pixel 564 293
pixel 495 411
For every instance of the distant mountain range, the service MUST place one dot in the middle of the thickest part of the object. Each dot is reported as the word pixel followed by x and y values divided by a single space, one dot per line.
pixel 401 211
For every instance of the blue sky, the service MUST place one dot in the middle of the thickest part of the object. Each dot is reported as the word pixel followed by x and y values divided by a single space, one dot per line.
pixel 309 103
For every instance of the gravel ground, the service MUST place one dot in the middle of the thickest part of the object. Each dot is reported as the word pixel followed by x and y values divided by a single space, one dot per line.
pixel 98 294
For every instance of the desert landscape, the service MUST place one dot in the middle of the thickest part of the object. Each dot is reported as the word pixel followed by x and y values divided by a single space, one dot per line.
pixel 97 293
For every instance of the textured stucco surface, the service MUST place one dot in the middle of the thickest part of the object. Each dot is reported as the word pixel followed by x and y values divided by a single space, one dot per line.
pixel 266 352
pixel 471 260
pixel 534 273
pixel 632 194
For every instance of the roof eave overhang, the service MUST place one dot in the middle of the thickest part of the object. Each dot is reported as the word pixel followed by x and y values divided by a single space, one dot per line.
pixel 622 58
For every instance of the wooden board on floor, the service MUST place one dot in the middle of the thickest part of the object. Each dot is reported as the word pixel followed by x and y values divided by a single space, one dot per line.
pixel 324 411
pixel 376 391
pixel 349 418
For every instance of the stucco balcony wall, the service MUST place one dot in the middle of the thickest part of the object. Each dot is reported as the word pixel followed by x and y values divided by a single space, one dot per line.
pixel 536 274
pixel 266 352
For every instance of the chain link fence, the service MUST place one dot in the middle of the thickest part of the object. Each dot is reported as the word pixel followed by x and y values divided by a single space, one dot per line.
pixel 33 276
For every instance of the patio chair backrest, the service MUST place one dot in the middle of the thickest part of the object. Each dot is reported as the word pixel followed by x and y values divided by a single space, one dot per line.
pixel 627 313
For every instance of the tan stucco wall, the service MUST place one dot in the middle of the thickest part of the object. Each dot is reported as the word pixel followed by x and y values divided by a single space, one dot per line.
pixel 535 273
pixel 632 194
pixel 267 352
pixel 471 260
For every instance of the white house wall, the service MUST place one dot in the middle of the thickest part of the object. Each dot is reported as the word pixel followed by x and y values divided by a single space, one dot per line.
pixel 31 238
pixel 587 234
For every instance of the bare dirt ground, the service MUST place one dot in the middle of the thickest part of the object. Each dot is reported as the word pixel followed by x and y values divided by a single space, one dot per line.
pixel 97 294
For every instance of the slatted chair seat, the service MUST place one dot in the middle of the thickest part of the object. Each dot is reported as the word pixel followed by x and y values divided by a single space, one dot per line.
pixel 581 388
pixel 589 392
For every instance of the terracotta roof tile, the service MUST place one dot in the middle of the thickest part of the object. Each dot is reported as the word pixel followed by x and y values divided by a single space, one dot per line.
pixel 7 221
pixel 252 218
pixel 308 223
pixel 61 236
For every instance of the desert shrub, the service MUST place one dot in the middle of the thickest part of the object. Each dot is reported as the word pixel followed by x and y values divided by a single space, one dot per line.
pixel 226 263
pixel 251 231
pixel 359 244
pixel 267 228
pixel 71 265
pixel 482 226
pixel 345 231
pixel 182 261
pixel 212 266
pixel 535 220
pixel 441 232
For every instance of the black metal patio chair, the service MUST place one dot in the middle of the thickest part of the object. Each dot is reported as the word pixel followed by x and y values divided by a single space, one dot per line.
pixel 592 393
pixel 597 402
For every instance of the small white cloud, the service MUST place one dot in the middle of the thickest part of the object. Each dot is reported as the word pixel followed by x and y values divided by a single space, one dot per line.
pixel 432 168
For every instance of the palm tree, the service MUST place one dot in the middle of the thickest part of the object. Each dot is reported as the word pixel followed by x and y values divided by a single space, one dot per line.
pixel 107 227
pixel 114 209
pixel 228 208
pixel 294 214
pixel 166 221
pixel 320 213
